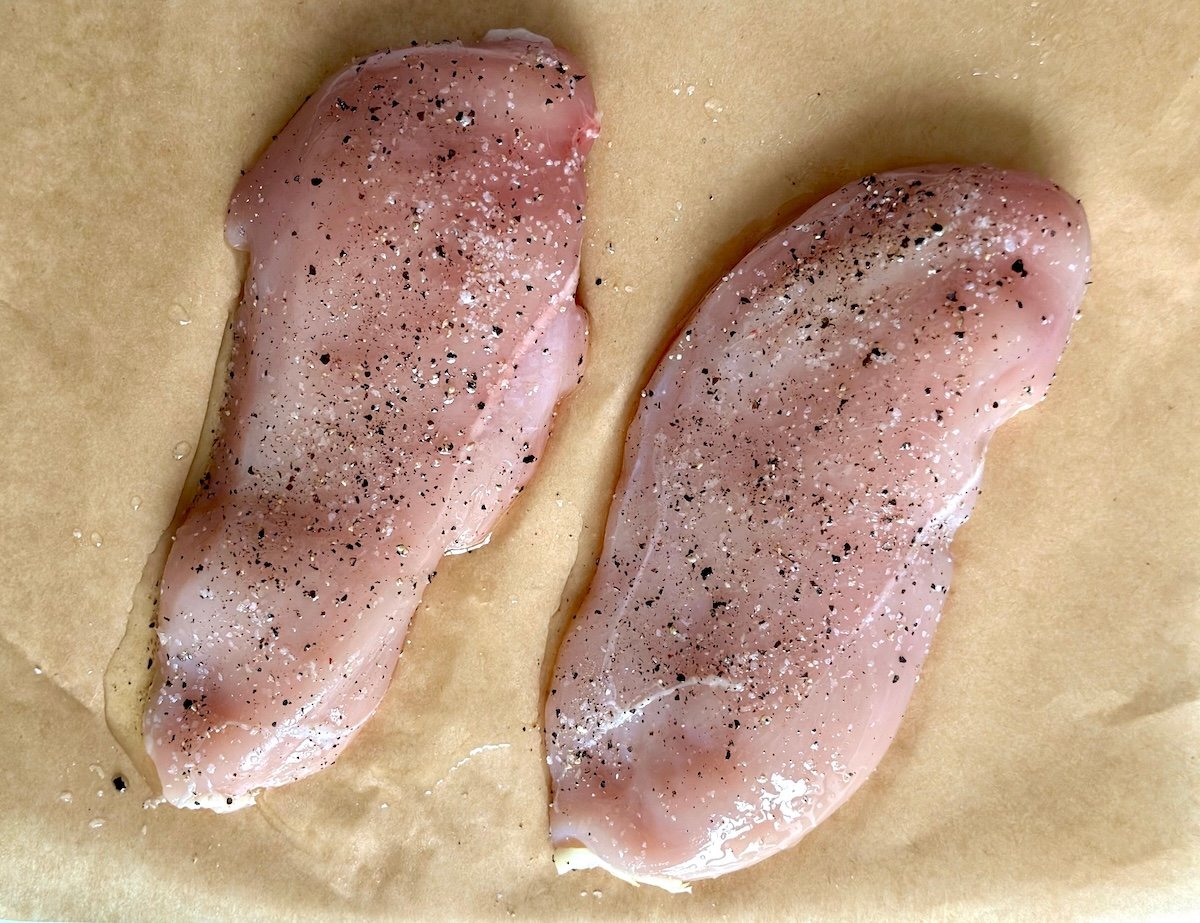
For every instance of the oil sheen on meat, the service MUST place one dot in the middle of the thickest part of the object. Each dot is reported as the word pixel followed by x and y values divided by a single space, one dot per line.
pixel 407 327
pixel 777 555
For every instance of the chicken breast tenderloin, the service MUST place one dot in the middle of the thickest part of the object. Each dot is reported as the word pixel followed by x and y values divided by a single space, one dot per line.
pixel 777 554
pixel 407 326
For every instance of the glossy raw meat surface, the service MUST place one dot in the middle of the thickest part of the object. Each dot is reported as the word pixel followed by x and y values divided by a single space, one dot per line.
pixel 407 327
pixel 777 554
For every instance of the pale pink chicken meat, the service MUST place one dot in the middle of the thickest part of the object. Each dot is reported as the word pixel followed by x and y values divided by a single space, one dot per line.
pixel 777 554
pixel 407 327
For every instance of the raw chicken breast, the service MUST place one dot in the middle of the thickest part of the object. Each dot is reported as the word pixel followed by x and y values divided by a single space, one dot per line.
pixel 407 327
pixel 778 552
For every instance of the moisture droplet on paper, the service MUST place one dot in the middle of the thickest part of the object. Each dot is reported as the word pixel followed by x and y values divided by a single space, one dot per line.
pixel 96 539
pixel 135 503
pixel 181 451
pixel 177 313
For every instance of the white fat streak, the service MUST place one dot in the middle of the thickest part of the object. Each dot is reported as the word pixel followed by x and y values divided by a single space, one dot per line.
pixel 632 711
pixel 578 858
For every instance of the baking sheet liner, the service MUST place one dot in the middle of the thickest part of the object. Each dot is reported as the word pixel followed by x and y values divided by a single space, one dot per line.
pixel 1048 764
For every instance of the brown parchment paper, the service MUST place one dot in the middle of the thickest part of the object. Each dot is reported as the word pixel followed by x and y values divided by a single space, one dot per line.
pixel 1047 768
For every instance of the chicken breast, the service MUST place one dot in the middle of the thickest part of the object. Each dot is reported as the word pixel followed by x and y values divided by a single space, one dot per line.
pixel 777 554
pixel 407 327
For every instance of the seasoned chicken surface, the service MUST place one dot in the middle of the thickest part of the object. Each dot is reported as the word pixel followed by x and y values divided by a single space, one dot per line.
pixel 407 327
pixel 777 554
